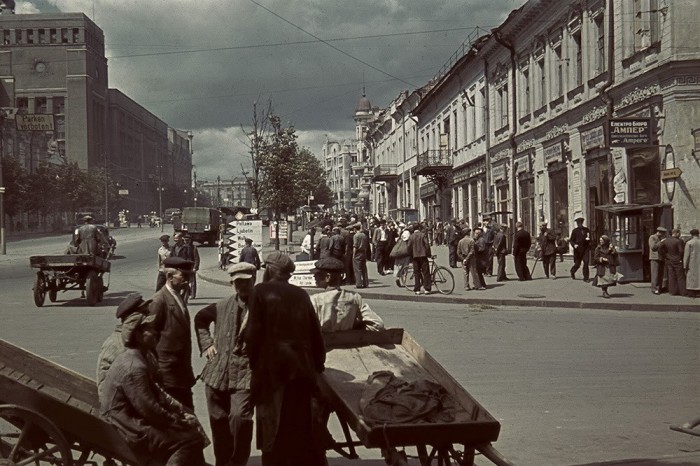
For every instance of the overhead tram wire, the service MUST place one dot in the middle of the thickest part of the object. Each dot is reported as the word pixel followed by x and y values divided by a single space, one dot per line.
pixel 332 46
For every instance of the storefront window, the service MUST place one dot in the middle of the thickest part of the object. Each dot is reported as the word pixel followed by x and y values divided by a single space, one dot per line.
pixel 527 203
pixel 559 195
pixel 627 232
pixel 645 173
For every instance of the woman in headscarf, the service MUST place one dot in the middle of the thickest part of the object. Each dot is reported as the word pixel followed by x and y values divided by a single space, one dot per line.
pixel 605 260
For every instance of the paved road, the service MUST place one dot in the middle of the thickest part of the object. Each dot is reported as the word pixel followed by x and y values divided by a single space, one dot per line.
pixel 568 386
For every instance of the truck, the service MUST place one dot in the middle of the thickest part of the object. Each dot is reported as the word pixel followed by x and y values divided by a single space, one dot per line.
pixel 201 223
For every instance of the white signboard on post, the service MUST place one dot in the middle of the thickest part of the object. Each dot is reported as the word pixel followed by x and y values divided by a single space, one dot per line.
pixel 302 274
pixel 283 229
pixel 237 232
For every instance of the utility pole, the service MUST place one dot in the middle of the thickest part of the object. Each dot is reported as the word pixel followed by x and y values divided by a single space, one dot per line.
pixel 104 153
pixel 218 191
pixel 3 249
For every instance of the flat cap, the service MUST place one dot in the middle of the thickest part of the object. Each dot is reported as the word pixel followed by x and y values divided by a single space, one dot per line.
pixel 280 261
pixel 579 219
pixel 164 237
pixel 129 305
pixel 242 270
pixel 661 229
pixel 694 232
pixel 178 263
pixel 87 217
pixel 328 264
pixel 133 322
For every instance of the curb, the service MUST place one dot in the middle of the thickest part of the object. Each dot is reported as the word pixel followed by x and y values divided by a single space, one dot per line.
pixel 613 305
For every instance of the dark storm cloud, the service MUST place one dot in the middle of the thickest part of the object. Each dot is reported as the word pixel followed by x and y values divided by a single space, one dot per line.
pixel 201 65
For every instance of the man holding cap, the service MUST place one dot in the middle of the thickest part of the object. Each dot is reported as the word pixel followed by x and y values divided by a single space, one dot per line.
pixel 339 309
pixel 226 374
pixel 286 352
pixel 580 239
pixel 163 253
pixel 174 349
pixel 656 262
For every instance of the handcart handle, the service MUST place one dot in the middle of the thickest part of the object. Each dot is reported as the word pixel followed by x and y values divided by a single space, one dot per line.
pixel 688 427
pixel 493 455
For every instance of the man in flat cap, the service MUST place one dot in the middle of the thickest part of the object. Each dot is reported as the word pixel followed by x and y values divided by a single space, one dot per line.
pixel 88 237
pixel 174 349
pixel 656 261
pixel 163 253
pixel 360 246
pixel 132 402
pixel 226 374
pixel 338 309
pixel 547 245
pixel 286 352
pixel 671 249
pixel 580 240
pixel 249 254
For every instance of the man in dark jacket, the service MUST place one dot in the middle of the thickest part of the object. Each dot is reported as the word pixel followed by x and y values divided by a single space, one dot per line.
pixel 500 249
pixel 131 401
pixel 671 250
pixel 580 240
pixel 419 250
pixel 451 241
pixel 337 246
pixel 521 245
pixel 360 247
pixel 226 374
pixel 547 243
pixel 489 238
pixel 286 352
pixel 185 249
pixel 249 254
pixel 174 350
pixel 481 258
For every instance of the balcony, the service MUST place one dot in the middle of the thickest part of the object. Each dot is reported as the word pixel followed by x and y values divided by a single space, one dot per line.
pixel 434 162
pixel 385 172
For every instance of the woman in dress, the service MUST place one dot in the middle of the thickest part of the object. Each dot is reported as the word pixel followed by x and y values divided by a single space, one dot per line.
pixel 605 260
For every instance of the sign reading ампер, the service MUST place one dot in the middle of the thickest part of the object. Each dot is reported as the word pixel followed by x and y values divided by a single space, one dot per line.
pixel 626 132
pixel 39 122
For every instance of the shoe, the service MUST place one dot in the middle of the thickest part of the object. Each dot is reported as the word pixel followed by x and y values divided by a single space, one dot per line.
pixel 656 292
pixel 469 288
pixel 573 276
pixel 398 283
pixel 554 277
pixel 482 288
pixel 426 292
pixel 606 295
pixel 417 293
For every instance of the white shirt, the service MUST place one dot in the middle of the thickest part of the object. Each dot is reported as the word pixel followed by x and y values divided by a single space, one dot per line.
pixel 178 298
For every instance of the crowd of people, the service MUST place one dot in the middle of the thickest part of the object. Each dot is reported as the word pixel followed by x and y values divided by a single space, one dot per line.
pixel 263 357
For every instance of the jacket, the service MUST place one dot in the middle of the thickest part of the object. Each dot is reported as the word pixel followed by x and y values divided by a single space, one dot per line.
pixel 671 250
pixel 547 242
pixel 418 245
pixel 174 349
pixel 521 242
pixel 229 369
pixel 465 249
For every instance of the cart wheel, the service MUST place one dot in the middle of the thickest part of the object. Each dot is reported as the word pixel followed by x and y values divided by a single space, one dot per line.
pixel 101 289
pixel 27 437
pixel 92 288
pixel 53 292
pixel 406 274
pixel 444 280
pixel 39 289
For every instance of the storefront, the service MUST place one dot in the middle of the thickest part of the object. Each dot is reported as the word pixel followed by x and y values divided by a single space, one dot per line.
pixel 597 178
pixel 471 178
pixel 554 156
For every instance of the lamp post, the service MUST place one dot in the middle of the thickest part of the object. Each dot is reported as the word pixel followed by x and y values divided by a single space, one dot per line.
pixel 3 249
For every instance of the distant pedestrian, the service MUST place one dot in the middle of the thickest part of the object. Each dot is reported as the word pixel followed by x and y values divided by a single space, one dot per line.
pixel 671 250
pixel 465 252
pixel 481 258
pixel 163 253
pixel 605 260
pixel 380 239
pixel 324 243
pixel 562 246
pixel 360 246
pixel 139 221
pixel 489 237
pixel 656 260
pixel 419 249
pixel 546 242
pixel 691 264
pixel 402 261
pixel 337 246
pixel 249 254
pixel 580 240
pixel 450 238
pixel 521 245
pixel 500 249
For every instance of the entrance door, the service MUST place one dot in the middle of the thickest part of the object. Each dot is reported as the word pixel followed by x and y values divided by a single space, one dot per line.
pixel 527 203
pixel 598 176
pixel 559 196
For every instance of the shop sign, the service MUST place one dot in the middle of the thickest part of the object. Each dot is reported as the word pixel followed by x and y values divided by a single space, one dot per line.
pixel 630 132
pixel 38 122
pixel 499 173
pixel 553 153
pixel 593 138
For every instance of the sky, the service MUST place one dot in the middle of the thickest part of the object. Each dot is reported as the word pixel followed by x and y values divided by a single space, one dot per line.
pixel 202 65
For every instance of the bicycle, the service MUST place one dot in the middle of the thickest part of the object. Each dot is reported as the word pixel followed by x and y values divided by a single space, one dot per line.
pixel 440 276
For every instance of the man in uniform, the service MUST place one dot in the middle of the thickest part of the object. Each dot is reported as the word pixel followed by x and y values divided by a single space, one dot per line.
pixel 500 249
pixel 174 350
pixel 451 240
pixel 580 239
pixel 249 254
pixel 226 374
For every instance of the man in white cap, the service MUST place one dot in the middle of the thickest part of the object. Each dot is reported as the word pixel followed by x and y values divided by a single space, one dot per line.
pixel 580 239
pixel 656 261
pixel 226 374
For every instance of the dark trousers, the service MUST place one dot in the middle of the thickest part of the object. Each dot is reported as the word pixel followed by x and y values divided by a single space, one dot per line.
pixel 501 260
pixel 581 256
pixel 160 281
pixel 193 285
pixel 452 254
pixel 360 266
pixel 549 264
pixel 183 395
pixel 489 260
pixel 349 269
pixel 477 272
pixel 231 420
pixel 676 278
pixel 382 256
pixel 421 273
pixel 521 267
pixel 657 275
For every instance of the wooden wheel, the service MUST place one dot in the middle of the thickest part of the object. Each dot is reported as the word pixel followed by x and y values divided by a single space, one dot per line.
pixel 101 289
pixel 27 437
pixel 53 292
pixel 92 285
pixel 39 289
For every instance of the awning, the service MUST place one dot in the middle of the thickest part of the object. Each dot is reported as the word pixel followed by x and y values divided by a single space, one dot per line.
pixel 629 208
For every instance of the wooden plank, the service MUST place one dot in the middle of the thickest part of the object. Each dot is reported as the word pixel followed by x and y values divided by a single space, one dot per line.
pixel 355 338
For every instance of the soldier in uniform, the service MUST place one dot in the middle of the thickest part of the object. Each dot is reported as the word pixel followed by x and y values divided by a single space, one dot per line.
pixel 580 239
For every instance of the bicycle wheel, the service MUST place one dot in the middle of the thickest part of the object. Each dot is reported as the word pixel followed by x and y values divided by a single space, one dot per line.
pixel 406 277
pixel 443 280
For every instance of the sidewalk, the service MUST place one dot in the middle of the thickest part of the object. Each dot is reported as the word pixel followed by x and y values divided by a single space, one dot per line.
pixel 540 292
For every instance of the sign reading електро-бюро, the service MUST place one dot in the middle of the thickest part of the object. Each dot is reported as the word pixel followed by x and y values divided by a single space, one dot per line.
pixel 626 132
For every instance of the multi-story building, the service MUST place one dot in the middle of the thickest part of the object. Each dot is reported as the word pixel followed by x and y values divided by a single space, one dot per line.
pixel 227 193
pixel 567 109
pixel 54 66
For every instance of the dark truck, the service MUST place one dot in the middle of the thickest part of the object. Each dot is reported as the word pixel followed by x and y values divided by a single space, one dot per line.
pixel 202 223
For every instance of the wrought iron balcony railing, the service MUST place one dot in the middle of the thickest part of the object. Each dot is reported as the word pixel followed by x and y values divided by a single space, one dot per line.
pixel 385 172
pixel 434 160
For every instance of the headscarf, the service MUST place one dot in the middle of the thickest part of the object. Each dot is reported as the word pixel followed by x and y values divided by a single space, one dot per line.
pixel 606 239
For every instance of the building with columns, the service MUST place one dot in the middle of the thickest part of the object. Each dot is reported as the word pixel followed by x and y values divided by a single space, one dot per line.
pixel 567 109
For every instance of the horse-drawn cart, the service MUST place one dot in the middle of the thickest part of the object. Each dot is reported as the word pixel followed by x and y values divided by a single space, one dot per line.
pixel 83 272
pixel 353 356
pixel 49 415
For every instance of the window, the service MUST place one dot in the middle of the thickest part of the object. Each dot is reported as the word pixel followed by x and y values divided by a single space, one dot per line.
pixel 6 36
pixel 454 118
pixel 64 35
pixel 577 59
pixel 30 36
pixel 559 67
pixel 502 103
pixel 525 96
pixel 599 34
pixel 52 35
pixel 40 105
pixel 541 95
pixel 76 35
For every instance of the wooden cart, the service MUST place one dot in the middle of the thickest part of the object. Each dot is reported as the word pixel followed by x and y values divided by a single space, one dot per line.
pixel 49 415
pixel 354 355
pixel 83 272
